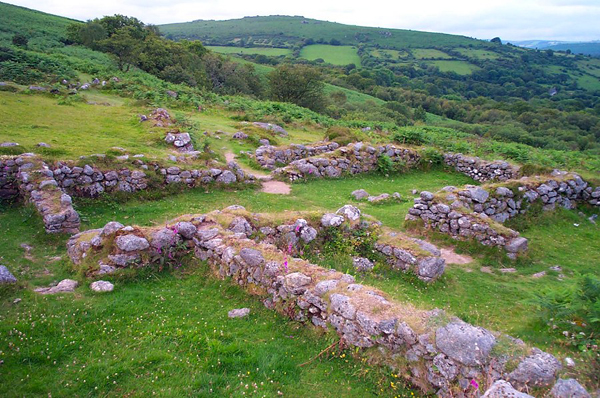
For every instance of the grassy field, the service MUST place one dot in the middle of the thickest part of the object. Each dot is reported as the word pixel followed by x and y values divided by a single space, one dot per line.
pixel 336 55
pixel 458 67
pixel 273 52
pixel 429 53
pixel 478 54
pixel 389 54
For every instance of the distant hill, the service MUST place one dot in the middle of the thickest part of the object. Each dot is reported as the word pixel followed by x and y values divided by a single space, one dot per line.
pixel 286 31
pixel 586 48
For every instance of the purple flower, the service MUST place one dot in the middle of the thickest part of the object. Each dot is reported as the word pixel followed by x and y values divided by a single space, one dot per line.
pixel 290 248
pixel 474 384
pixel 285 264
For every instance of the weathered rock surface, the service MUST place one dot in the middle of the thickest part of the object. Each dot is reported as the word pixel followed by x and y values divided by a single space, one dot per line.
pixel 239 313
pixel 102 286
pixel 64 286
pixel 6 276
pixel 503 389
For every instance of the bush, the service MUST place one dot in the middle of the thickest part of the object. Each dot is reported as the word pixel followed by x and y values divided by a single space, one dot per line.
pixel 341 135
pixel 409 136
pixel 385 165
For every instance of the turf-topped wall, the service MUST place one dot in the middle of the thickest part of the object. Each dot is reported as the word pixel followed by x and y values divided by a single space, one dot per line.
pixel 269 156
pixel 355 158
pixel 296 232
pixel 478 212
pixel 434 351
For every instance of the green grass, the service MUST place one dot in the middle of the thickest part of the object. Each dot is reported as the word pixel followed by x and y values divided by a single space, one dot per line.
pixel 335 55
pixel 78 129
pixel 429 53
pixel 588 82
pixel 458 67
pixel 478 54
pixel 389 54
pixel 274 52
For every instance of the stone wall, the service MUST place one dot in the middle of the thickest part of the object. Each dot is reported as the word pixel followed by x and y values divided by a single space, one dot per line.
pixel 478 212
pixel 481 170
pixel 38 186
pixel 352 159
pixel 9 187
pixel 434 351
pixel 91 181
pixel 269 156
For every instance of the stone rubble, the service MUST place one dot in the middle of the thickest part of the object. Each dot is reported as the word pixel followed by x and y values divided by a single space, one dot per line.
pixel 269 156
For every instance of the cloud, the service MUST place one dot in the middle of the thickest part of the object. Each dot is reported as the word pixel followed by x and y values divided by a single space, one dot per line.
pixel 509 19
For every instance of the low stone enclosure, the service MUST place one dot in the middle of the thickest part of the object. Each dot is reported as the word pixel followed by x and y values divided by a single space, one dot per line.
pixel 478 212
pixel 50 187
pixel 433 350
pixel 269 156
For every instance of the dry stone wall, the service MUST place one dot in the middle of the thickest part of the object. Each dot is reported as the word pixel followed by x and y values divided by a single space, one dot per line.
pixel 481 170
pixel 38 186
pixel 269 156
pixel 479 211
pixel 352 159
pixel 433 350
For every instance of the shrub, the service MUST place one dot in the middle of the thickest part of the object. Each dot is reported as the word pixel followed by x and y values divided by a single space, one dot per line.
pixel 409 136
pixel 385 165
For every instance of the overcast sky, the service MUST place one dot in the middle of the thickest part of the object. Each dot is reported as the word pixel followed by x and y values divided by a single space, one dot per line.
pixel 568 20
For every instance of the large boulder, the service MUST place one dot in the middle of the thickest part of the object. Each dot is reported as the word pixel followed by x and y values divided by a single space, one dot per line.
pixel 360 194
pixel 331 220
pixel 350 212
pixel 464 343
pixel 164 238
pixel 102 286
pixel 538 369
pixel 226 177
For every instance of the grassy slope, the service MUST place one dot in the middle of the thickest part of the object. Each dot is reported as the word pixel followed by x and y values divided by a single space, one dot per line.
pixel 335 55
pixel 221 32
pixel 273 52
pixel 38 27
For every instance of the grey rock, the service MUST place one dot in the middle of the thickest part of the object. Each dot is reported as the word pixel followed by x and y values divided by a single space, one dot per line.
pixel 130 243
pixel 102 286
pixel 360 194
pixel 252 257
pixel 308 234
pixel 296 282
pixel 186 229
pixel 479 194
pixel 6 276
pixel 226 177
pixel 241 226
pixel 110 228
pixel 379 198
pixel 517 245
pixel 362 264
pixel 538 369
pixel 331 220
pixel 239 313
pixel 568 388
pixel 464 343
pixel 164 238
pixel 426 196
pixel 341 304
pixel 240 135
pixel 350 212
pixel 64 286
pixel 324 286
pixel 503 389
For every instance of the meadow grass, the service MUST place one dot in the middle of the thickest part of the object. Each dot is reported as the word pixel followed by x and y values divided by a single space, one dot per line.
pixel 478 54
pixel 269 51
pixel 335 55
pixel 429 53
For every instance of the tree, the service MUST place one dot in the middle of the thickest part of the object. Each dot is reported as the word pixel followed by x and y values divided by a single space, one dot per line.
pixel 124 46
pixel 19 40
pixel 298 84
pixel 496 40
pixel 91 33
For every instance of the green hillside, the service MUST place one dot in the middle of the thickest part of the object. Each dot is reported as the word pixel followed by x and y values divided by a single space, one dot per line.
pixel 284 31
pixel 41 29
pixel 578 48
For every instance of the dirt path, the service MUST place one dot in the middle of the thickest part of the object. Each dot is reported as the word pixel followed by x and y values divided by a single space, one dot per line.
pixel 268 184
pixel 453 258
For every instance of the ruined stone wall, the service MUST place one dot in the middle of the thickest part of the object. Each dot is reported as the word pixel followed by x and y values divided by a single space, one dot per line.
pixel 352 159
pixel 9 187
pixel 38 186
pixel 478 212
pixel 434 351
pixel 481 170
pixel 91 181
pixel 269 156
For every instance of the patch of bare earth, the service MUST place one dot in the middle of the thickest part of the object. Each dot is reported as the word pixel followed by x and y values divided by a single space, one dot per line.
pixel 452 257
pixel 268 185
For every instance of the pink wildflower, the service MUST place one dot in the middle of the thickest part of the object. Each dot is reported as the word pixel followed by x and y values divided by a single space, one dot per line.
pixel 285 264
pixel 474 384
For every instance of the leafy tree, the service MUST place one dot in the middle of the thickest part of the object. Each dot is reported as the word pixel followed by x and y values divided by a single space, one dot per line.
pixel 298 84
pixel 496 40
pixel 91 33
pixel 124 46
pixel 19 40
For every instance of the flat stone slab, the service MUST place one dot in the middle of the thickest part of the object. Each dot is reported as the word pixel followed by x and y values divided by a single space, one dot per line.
pixel 239 313
pixel 64 286
pixel 6 276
